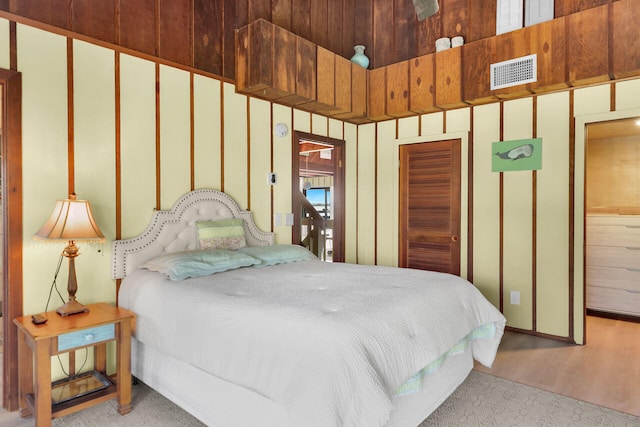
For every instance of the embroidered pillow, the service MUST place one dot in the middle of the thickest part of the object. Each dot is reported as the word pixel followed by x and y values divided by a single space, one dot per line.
pixel 221 234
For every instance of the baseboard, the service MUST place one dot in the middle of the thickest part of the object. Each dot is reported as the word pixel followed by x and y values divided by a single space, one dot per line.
pixel 614 316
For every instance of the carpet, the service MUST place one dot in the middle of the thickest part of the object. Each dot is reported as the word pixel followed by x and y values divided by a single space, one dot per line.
pixel 482 400
pixel 485 400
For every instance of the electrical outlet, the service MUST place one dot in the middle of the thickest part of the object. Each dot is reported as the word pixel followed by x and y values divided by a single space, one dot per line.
pixel 515 297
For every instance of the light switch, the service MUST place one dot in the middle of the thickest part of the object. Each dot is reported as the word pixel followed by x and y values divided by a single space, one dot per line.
pixel 288 219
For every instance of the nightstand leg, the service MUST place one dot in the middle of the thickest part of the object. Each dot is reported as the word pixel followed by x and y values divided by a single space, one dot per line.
pixel 25 376
pixel 123 366
pixel 43 384
pixel 100 358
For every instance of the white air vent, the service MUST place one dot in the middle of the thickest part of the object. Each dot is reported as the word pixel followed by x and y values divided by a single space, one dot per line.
pixel 514 72
pixel 537 11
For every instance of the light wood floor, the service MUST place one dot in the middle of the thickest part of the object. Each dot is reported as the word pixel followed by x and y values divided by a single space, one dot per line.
pixel 605 371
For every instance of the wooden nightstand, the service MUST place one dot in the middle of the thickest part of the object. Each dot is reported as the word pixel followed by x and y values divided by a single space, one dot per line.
pixel 103 323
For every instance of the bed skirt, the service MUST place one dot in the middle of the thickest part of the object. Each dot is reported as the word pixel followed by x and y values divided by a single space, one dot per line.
pixel 219 403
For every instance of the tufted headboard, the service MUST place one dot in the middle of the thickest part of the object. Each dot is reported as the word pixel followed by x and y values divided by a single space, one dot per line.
pixel 175 230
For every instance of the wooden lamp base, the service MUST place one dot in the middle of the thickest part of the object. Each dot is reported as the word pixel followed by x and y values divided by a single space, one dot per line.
pixel 72 307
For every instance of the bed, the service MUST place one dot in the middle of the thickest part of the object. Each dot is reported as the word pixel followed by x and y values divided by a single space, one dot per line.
pixel 242 332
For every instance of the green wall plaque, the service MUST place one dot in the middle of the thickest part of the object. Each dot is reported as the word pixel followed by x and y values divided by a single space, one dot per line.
pixel 517 155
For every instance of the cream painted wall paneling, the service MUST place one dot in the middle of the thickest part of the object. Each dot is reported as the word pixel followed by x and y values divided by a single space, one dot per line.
pixel 301 121
pixel 366 193
pixel 319 125
pixel 351 133
pixel 235 140
pixel 94 160
pixel 486 203
pixel 592 100
pixel 175 135
pixel 627 94
pixel 137 144
pixel 458 120
pixel 336 129
pixel 5 60
pixel 552 215
pixel 518 220
pixel 207 130
pixel 432 124
pixel 260 160
pixel 387 197
pixel 282 152
pixel 42 60
pixel 408 127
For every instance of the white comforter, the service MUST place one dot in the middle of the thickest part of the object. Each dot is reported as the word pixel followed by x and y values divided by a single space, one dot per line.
pixel 328 342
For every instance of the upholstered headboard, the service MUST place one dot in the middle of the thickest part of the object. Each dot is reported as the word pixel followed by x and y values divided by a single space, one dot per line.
pixel 175 230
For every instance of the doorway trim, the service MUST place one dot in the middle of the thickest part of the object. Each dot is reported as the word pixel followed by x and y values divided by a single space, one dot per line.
pixel 464 190
pixel 579 264
pixel 339 191
pixel 11 82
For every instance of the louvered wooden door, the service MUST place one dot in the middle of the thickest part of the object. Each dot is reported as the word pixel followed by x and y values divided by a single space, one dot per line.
pixel 430 206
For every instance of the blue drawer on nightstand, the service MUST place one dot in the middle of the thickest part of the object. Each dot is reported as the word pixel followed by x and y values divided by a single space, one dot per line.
pixel 86 337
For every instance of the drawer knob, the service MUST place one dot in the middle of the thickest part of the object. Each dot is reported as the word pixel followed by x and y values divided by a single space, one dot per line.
pixel 88 337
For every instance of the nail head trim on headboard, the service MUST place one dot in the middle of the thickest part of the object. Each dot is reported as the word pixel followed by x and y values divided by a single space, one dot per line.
pixel 175 230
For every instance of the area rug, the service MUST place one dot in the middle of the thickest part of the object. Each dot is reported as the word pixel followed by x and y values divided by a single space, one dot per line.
pixel 482 400
pixel 485 400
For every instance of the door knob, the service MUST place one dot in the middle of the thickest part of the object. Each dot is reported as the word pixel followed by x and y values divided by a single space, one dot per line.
pixel 454 238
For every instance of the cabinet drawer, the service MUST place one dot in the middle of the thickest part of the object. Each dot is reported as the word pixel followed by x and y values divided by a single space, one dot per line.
pixel 630 220
pixel 613 256
pixel 614 235
pixel 620 278
pixel 86 337
pixel 613 300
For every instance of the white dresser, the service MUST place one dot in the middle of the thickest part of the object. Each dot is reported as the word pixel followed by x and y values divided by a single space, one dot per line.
pixel 613 263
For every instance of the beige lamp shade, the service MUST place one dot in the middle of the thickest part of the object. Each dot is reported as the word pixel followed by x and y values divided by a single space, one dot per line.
pixel 71 219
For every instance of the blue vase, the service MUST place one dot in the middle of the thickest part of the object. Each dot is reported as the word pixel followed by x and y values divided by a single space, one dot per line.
pixel 360 58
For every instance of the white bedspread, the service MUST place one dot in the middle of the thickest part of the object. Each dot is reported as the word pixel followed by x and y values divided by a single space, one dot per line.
pixel 328 342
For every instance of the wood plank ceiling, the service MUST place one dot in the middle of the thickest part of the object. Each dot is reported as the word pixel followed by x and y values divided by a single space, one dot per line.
pixel 201 33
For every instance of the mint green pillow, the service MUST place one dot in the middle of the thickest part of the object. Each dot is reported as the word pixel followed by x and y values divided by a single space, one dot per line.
pixel 221 234
pixel 182 265
pixel 278 254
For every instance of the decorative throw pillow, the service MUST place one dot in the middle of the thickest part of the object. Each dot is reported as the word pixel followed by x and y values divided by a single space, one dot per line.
pixel 278 254
pixel 182 265
pixel 221 234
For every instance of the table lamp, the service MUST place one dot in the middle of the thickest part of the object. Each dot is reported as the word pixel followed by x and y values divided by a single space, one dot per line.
pixel 71 221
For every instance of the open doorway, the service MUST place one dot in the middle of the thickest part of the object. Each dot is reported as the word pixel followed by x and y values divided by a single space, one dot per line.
pixel 612 216
pixel 318 195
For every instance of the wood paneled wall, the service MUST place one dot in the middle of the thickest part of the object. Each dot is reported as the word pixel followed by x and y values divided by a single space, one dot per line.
pixel 200 33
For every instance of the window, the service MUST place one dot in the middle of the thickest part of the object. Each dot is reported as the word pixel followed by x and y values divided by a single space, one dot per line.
pixel 320 198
